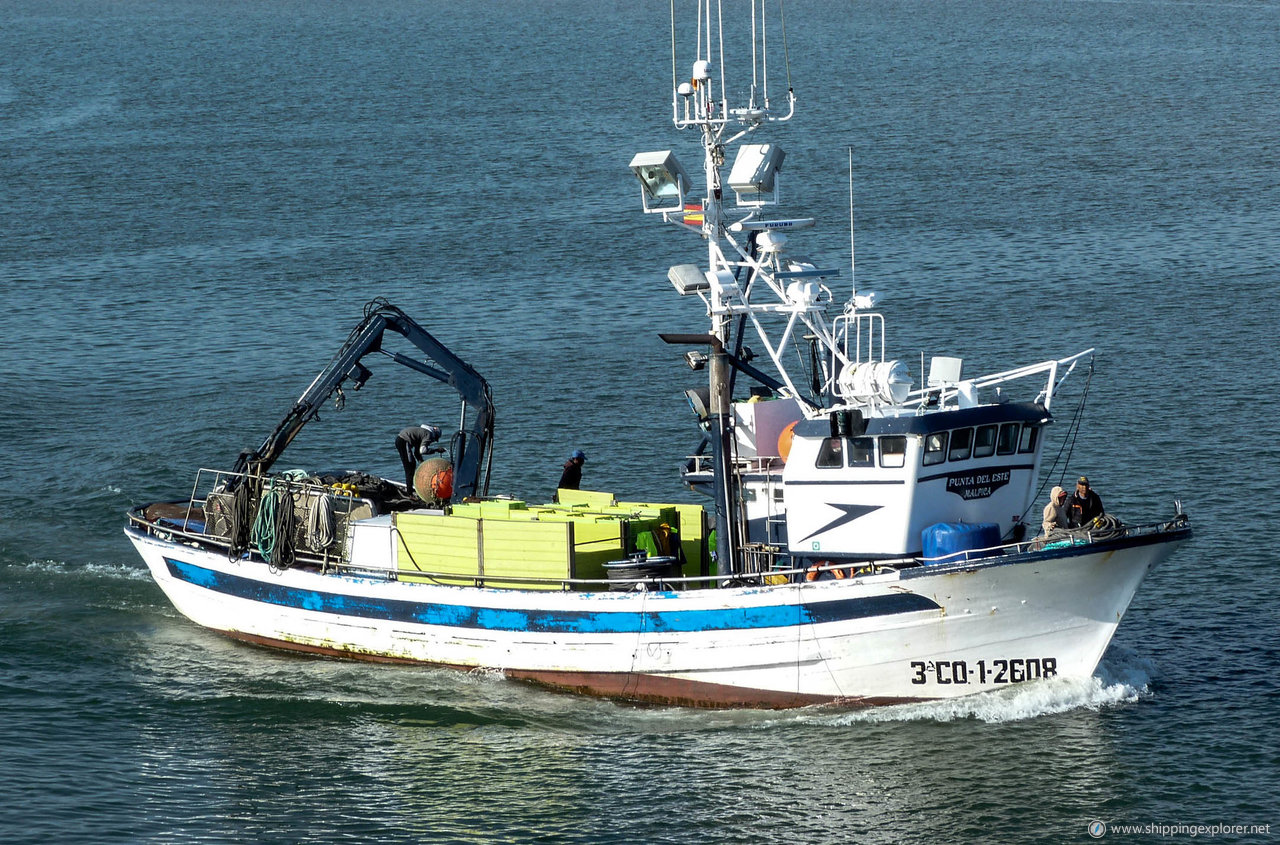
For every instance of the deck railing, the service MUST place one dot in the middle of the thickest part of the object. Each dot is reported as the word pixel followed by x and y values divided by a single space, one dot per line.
pixel 218 498
pixel 205 520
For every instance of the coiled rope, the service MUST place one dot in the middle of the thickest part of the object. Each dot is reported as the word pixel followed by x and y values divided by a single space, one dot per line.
pixel 320 522
pixel 1105 527
pixel 1100 528
pixel 273 527
pixel 241 518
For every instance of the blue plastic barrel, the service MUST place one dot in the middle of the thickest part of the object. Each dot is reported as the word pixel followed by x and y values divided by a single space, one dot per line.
pixel 947 542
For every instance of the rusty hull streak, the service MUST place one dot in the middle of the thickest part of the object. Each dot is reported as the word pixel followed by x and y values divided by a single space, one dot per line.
pixel 619 686
pixel 679 692
pixel 326 651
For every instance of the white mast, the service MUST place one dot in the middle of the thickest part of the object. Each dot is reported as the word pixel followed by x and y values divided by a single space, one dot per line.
pixel 731 270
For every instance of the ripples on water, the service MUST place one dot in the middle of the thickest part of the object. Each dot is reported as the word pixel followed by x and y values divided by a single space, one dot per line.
pixel 174 732
pixel 198 201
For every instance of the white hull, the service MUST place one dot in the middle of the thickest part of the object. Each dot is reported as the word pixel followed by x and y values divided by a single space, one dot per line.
pixel 923 633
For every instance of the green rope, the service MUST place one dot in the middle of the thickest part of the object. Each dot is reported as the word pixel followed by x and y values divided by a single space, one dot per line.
pixel 273 526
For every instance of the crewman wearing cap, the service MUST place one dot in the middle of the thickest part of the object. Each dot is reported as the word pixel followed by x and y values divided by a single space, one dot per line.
pixel 571 477
pixel 413 444
pixel 1084 506
pixel 1055 513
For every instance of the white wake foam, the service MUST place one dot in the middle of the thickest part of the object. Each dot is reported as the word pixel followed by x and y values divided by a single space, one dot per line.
pixel 1122 677
pixel 118 571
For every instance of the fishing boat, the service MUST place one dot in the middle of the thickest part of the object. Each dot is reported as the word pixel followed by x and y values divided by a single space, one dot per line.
pixel 863 539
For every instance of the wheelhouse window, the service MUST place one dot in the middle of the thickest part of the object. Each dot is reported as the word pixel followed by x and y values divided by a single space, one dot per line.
pixel 935 448
pixel 862 452
pixel 830 453
pixel 961 444
pixel 893 451
pixel 1008 442
pixel 984 442
pixel 1030 438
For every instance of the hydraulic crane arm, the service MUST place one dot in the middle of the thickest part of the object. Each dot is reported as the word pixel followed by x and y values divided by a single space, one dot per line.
pixel 471 456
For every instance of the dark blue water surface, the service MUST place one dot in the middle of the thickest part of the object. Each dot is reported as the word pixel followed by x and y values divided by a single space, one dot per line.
pixel 197 198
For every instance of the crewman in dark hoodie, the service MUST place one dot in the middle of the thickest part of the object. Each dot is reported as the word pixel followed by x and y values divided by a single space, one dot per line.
pixel 571 477
pixel 412 445
pixel 1084 506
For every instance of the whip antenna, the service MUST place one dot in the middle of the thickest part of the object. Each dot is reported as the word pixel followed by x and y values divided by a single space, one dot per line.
pixel 853 260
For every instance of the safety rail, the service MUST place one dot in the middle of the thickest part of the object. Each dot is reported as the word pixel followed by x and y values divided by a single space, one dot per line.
pixel 219 498
pixel 1062 539
pixel 699 464
pixel 867 332
pixel 764 564
pixel 947 392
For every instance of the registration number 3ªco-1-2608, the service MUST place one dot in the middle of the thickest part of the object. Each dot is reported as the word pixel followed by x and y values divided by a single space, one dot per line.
pixel 1010 671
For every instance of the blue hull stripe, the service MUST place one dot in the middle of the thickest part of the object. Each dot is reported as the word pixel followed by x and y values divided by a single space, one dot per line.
pixel 547 621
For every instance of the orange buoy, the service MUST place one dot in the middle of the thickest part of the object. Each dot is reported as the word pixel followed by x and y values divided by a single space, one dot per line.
pixel 784 441
pixel 433 480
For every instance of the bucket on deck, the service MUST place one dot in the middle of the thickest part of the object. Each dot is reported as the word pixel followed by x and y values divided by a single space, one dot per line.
pixel 949 542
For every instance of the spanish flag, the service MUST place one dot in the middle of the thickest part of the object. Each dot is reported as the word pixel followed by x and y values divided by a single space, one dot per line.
pixel 693 214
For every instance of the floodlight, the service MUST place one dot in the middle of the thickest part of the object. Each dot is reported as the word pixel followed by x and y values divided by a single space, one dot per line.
pixel 754 174
pixel 688 278
pixel 699 401
pixel 662 180
pixel 944 370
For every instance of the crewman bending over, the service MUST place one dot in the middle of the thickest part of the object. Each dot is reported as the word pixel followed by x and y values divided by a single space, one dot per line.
pixel 413 444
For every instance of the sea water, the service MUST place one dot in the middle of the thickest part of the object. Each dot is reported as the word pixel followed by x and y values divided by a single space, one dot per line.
pixel 197 199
